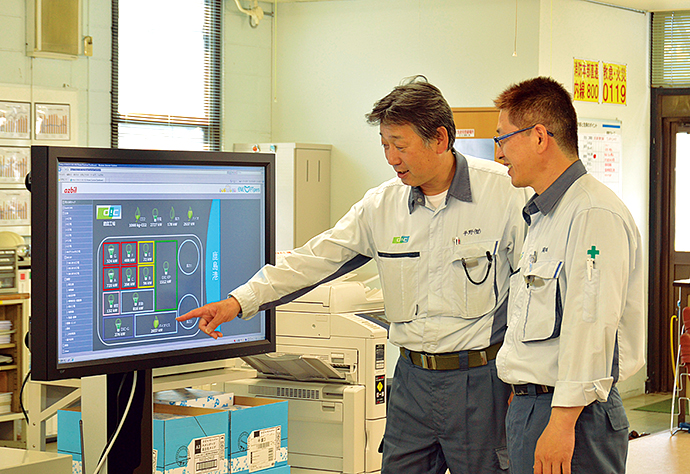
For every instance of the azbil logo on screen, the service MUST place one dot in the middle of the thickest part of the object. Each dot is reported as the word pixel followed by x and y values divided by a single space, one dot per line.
pixel 71 190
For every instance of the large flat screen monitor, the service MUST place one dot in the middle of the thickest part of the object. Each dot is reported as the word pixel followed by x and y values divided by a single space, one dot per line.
pixel 124 241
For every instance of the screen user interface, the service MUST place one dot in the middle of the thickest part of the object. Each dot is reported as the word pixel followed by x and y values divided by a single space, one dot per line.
pixel 141 244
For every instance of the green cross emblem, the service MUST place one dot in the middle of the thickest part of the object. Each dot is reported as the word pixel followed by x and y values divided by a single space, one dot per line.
pixel 593 252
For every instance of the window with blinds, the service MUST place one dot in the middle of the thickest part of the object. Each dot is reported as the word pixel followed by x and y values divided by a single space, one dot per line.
pixel 671 49
pixel 166 76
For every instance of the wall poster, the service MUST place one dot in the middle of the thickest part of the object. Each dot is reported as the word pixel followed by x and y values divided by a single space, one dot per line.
pixel 15 163
pixel 585 80
pixel 52 122
pixel 600 147
pixel 15 118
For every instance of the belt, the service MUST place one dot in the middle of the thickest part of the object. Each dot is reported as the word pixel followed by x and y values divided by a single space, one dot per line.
pixel 451 360
pixel 531 389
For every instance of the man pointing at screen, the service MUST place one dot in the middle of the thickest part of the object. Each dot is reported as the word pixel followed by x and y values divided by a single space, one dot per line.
pixel 445 234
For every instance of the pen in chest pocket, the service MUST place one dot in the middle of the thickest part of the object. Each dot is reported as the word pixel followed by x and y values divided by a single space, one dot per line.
pixel 590 268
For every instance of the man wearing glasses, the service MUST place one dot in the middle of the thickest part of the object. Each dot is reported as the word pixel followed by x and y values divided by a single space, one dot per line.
pixel 445 233
pixel 575 311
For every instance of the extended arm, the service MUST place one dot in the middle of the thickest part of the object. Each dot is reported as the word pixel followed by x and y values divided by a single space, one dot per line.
pixel 326 256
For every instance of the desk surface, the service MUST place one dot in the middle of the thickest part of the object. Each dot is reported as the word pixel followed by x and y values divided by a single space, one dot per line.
pixel 659 452
pixel 21 461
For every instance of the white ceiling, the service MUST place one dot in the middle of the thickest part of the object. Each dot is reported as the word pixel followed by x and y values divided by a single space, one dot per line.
pixel 647 5
pixel 650 5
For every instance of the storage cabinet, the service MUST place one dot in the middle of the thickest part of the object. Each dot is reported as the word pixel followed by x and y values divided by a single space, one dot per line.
pixel 303 190
pixel 13 307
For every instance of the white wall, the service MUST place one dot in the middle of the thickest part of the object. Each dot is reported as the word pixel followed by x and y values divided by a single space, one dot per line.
pixel 247 78
pixel 88 77
pixel 572 28
pixel 336 58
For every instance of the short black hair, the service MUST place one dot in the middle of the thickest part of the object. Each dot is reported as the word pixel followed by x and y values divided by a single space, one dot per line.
pixel 417 103
pixel 545 101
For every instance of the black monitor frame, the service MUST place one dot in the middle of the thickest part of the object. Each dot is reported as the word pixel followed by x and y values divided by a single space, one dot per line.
pixel 44 242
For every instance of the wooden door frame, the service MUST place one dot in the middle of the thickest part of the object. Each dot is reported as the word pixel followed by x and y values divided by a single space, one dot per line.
pixel 661 224
pixel 677 126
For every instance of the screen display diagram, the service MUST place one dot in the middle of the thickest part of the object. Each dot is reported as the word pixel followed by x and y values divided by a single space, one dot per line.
pixel 140 244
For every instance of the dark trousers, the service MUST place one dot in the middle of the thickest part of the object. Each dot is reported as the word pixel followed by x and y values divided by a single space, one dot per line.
pixel 601 434
pixel 445 419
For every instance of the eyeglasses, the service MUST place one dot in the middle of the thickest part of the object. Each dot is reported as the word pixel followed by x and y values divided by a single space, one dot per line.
pixel 498 140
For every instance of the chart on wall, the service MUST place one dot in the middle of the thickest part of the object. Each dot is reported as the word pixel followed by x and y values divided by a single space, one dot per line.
pixel 29 116
pixel 600 146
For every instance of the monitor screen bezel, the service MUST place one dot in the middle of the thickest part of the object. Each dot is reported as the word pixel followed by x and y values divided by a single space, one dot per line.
pixel 44 249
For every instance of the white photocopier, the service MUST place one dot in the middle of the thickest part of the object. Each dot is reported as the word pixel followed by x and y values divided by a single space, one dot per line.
pixel 330 363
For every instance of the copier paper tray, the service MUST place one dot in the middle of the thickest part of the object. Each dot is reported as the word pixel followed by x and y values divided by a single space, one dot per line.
pixel 294 367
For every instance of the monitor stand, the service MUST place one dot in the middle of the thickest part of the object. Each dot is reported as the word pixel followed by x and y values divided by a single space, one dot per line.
pixel 102 409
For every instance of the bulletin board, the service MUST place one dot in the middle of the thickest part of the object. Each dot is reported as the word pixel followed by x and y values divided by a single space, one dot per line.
pixel 475 129
pixel 600 147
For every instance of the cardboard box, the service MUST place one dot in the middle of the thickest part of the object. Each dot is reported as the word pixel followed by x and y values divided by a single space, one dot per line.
pixel 258 429
pixel 190 440
pixel 69 438
pixel 182 437
pixel 277 470
pixel 258 434
pixel 189 397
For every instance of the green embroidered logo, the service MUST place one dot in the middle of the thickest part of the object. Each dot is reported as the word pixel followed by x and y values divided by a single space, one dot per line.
pixel 403 239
